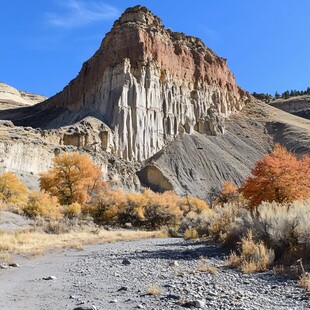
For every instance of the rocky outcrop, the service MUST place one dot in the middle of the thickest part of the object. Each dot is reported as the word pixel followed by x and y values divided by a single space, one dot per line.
pixel 10 97
pixel 299 105
pixel 148 84
pixel 196 164
pixel 27 152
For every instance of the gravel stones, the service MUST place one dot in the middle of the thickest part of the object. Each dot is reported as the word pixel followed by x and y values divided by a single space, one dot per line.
pixel 97 278
pixel 49 278
pixel 126 262
pixel 171 265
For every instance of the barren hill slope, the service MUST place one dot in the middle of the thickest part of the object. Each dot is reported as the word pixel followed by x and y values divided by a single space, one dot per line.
pixel 196 163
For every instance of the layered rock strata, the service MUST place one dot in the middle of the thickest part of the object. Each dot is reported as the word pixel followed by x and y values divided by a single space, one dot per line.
pixel 147 84
pixel 299 105
pixel 10 97
pixel 27 152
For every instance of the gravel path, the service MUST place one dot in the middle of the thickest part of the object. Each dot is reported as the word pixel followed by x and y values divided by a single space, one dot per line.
pixel 122 276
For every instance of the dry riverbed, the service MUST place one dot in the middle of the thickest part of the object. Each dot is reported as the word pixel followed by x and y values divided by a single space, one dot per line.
pixel 144 274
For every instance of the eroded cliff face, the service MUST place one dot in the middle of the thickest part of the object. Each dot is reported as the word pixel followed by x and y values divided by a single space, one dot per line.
pixel 27 152
pixel 148 84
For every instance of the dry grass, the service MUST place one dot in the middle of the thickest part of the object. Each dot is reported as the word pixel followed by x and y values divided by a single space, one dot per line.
pixel 5 258
pixel 36 243
pixel 234 260
pixel 207 268
pixel 254 256
pixel 190 234
pixel 163 234
pixel 304 281
pixel 279 270
pixel 154 289
pixel 250 266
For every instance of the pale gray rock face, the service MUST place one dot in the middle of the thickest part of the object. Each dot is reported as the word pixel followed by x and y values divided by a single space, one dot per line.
pixel 147 113
pixel 148 85
pixel 299 105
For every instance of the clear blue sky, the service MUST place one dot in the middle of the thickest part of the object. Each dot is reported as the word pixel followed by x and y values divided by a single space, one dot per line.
pixel 266 42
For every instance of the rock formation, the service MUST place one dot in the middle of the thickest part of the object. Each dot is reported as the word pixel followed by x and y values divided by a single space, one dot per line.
pixel 148 84
pixel 10 97
pixel 299 105
pixel 152 103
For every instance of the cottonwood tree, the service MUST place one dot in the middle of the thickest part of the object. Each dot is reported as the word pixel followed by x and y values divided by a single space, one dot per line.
pixel 279 177
pixel 72 178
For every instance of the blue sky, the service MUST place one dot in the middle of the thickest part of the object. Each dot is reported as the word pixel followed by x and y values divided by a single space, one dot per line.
pixel 266 42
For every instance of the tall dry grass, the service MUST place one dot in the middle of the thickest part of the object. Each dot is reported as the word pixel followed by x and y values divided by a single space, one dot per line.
pixel 283 228
pixel 31 243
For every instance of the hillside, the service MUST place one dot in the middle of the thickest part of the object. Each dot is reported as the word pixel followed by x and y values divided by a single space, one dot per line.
pixel 11 98
pixel 299 105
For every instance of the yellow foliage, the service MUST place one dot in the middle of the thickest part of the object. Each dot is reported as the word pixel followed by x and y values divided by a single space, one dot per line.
pixel 44 205
pixel 73 177
pixel 12 190
pixel 107 205
pixel 190 234
pixel 192 204
pixel 73 210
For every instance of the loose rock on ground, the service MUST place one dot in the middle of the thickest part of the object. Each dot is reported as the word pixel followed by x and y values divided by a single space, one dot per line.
pixel 162 274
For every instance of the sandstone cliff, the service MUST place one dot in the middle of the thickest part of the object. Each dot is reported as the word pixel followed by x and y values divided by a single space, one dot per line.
pixel 147 84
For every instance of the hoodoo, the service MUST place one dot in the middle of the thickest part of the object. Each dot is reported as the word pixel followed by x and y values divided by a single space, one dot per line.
pixel 154 104
pixel 148 84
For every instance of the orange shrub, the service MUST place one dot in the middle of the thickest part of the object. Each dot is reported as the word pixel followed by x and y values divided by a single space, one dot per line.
pixel 279 177
pixel 192 204
pixel 228 193
pixel 12 190
pixel 73 210
pixel 73 177
pixel 162 209
pixel 107 205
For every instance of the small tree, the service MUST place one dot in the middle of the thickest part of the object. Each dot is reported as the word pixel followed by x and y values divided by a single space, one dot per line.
pixel 72 179
pixel 279 177
pixel 228 193
pixel 12 190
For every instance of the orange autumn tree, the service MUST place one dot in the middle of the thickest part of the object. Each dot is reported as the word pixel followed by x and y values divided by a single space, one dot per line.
pixel 279 177
pixel 73 177
pixel 229 193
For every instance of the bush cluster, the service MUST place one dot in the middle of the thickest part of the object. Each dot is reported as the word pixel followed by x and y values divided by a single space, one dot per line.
pixel 148 209
pixel 278 231
pixel 265 220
